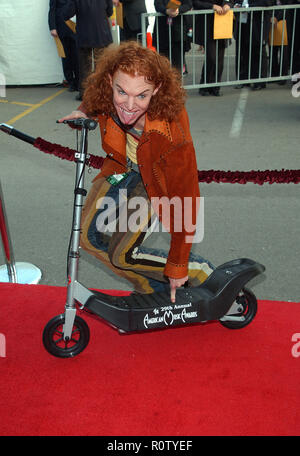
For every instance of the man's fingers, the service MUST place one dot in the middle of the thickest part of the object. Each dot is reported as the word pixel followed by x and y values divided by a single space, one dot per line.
pixel 176 283
pixel 173 292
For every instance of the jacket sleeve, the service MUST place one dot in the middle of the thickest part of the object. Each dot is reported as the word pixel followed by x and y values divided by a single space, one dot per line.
pixel 160 6
pixel 184 186
pixel 199 5
pixel 185 6
pixel 253 3
pixel 51 15
pixel 69 10
pixel 109 9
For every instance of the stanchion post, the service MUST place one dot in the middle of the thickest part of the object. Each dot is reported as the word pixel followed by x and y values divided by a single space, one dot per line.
pixel 6 242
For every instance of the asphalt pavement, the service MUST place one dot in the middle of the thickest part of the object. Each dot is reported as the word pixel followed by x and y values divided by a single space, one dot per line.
pixel 241 130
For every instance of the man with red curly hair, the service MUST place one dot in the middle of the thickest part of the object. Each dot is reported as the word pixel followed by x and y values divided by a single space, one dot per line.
pixel 138 100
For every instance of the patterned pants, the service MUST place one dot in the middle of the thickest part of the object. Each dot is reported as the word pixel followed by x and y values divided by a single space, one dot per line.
pixel 106 217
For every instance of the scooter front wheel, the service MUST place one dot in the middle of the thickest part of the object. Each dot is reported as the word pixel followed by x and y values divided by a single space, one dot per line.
pixel 57 345
pixel 248 303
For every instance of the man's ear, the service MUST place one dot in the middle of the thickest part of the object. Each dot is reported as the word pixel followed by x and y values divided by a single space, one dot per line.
pixel 157 89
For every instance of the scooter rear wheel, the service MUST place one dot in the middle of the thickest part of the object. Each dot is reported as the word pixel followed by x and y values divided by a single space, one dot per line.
pixel 249 304
pixel 53 337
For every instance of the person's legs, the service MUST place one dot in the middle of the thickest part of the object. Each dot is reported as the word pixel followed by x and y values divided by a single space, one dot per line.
pixel 71 68
pixel 96 55
pixel 85 66
pixel 95 242
pixel 75 62
pixel 126 208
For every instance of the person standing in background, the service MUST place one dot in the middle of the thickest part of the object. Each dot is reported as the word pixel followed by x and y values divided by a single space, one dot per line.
pixel 294 47
pixel 172 21
pixel 213 54
pixel 279 54
pixel 132 10
pixel 58 28
pixel 252 38
pixel 93 32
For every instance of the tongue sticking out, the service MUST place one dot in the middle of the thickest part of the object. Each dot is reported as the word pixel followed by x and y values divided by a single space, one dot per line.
pixel 128 117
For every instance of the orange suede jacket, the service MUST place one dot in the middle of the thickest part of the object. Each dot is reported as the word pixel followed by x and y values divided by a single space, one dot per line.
pixel 168 167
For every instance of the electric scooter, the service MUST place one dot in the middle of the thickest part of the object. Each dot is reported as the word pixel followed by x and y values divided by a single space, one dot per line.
pixel 221 297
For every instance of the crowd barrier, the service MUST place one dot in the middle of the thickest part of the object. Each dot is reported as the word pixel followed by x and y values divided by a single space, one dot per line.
pixel 247 57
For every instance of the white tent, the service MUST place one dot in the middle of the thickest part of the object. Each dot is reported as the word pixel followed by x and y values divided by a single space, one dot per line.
pixel 28 53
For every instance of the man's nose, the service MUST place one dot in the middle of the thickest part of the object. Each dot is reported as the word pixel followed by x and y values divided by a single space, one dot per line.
pixel 130 103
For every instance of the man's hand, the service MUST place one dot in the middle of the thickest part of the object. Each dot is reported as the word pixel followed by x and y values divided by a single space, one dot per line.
pixel 74 115
pixel 54 33
pixel 226 8
pixel 176 283
pixel 218 9
pixel 172 12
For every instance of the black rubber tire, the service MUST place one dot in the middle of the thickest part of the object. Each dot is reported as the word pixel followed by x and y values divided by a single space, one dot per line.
pixel 54 342
pixel 249 303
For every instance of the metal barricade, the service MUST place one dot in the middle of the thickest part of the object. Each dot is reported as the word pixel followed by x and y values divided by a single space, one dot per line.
pixel 7 245
pixel 247 58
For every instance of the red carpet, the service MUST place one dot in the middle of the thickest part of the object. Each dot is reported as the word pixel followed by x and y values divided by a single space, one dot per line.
pixel 198 380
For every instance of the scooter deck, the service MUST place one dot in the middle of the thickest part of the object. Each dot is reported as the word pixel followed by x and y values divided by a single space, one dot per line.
pixel 209 301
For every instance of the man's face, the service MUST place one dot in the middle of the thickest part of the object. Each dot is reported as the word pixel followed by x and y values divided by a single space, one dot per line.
pixel 131 98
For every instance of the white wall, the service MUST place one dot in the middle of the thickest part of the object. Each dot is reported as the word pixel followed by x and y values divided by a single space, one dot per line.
pixel 28 52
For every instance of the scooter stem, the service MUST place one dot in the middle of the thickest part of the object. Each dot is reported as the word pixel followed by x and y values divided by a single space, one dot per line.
pixel 80 193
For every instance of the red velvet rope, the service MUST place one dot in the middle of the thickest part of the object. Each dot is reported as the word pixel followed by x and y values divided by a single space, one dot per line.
pixel 285 176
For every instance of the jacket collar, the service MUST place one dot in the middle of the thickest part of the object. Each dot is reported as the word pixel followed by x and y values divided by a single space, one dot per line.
pixel 115 136
pixel 159 126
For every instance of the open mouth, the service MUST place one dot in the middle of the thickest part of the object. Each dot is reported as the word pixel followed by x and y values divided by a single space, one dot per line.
pixel 128 117
pixel 128 113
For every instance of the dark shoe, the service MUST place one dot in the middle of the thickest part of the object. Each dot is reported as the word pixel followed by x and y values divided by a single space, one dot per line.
pixel 259 86
pixel 215 92
pixel 281 83
pixel 78 97
pixel 204 92
pixel 240 86
pixel 256 86
pixel 71 89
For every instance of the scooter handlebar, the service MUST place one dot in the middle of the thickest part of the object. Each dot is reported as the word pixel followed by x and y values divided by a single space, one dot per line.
pixel 89 124
pixel 16 133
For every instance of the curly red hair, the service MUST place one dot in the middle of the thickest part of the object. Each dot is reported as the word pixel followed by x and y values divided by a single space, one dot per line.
pixel 134 59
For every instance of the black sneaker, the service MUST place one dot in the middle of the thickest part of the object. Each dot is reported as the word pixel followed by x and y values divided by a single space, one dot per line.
pixel 215 91
pixel 204 92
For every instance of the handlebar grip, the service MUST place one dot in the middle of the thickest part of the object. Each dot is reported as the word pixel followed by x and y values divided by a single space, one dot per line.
pixel 89 124
pixel 16 133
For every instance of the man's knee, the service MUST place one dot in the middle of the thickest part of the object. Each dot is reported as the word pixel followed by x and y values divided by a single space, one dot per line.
pixel 117 257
